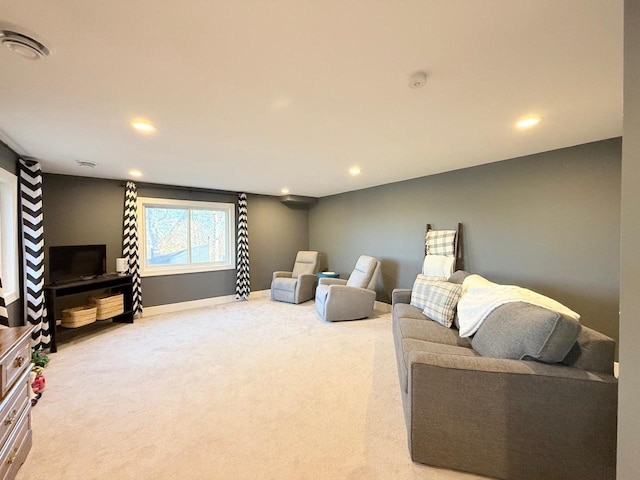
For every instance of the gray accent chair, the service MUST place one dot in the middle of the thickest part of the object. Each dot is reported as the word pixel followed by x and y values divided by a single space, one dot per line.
pixel 352 299
pixel 298 285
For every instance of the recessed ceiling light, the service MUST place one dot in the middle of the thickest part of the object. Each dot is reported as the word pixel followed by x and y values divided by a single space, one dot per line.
pixel 355 171
pixel 280 103
pixel 143 126
pixel 284 191
pixel 528 122
pixel 135 173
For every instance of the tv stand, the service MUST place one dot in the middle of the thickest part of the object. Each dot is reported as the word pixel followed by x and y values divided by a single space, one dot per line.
pixel 113 282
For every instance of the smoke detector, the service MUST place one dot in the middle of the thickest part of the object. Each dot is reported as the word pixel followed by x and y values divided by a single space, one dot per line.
pixel 24 45
pixel 417 80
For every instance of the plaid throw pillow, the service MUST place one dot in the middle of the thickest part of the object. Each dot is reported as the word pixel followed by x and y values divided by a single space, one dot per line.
pixel 441 242
pixel 437 299
pixel 420 291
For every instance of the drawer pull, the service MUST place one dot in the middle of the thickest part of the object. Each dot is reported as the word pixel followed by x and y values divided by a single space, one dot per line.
pixel 13 456
pixel 18 362
pixel 11 417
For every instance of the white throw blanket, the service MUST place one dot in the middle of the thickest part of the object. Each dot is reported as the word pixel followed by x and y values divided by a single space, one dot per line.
pixel 480 297
pixel 438 266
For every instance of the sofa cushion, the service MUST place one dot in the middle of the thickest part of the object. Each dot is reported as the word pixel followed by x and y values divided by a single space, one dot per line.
pixel 424 329
pixel 284 283
pixel 522 331
pixel 409 345
pixel 404 310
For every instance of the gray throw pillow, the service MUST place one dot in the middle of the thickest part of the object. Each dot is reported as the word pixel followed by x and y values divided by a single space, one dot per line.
pixel 458 276
pixel 522 331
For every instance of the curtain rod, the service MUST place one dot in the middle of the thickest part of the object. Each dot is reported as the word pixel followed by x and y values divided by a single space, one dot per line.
pixel 180 187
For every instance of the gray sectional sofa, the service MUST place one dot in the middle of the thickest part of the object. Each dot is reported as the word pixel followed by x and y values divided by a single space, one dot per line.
pixel 503 417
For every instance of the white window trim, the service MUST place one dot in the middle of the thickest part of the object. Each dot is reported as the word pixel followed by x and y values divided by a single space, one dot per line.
pixel 152 271
pixel 9 254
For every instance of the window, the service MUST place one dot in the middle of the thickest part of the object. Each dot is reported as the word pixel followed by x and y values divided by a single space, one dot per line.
pixel 9 236
pixel 178 236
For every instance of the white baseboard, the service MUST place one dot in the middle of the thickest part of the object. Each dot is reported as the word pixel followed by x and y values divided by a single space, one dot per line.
pixel 209 302
pixel 205 302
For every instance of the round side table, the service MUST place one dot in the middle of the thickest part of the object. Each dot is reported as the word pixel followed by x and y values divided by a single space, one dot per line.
pixel 328 275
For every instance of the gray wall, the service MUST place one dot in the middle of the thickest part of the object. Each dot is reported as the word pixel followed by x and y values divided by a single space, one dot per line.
pixel 276 234
pixel 8 161
pixel 80 210
pixel 629 387
pixel 8 158
pixel 549 222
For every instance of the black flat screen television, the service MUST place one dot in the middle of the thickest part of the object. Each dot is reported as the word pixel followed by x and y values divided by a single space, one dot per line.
pixel 76 262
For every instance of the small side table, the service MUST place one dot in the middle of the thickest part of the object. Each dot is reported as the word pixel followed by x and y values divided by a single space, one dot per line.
pixel 328 275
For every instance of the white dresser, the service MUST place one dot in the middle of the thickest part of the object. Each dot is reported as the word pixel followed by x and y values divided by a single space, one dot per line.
pixel 15 406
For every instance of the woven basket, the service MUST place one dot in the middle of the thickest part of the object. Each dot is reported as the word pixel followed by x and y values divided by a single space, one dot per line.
pixel 78 316
pixel 108 305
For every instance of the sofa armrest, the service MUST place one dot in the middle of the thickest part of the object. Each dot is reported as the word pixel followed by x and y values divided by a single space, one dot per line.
pixel 401 295
pixel 279 274
pixel 349 302
pixel 500 411
pixel 332 281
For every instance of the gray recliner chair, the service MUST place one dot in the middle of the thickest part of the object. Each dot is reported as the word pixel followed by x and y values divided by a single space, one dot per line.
pixel 352 299
pixel 298 285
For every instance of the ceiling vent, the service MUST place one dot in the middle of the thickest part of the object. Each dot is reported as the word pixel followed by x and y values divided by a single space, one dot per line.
pixel 85 163
pixel 24 45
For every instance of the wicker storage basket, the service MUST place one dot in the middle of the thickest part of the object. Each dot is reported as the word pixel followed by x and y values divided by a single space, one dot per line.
pixel 78 316
pixel 108 305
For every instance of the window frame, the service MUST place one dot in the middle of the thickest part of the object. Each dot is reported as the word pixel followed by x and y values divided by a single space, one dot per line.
pixel 157 270
pixel 9 249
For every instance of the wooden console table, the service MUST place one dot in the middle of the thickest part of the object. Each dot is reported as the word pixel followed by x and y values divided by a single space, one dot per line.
pixel 114 283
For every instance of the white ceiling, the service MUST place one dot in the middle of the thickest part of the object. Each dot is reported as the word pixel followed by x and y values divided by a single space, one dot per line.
pixel 257 95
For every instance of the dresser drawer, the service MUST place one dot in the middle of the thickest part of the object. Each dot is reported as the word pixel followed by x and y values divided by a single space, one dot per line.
pixel 13 405
pixel 14 365
pixel 16 449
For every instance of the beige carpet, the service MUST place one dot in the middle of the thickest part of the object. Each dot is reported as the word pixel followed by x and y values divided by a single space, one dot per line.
pixel 248 390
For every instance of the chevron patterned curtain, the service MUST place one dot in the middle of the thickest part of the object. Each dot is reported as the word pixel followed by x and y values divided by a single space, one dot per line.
pixel 130 243
pixel 4 315
pixel 33 252
pixel 243 287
